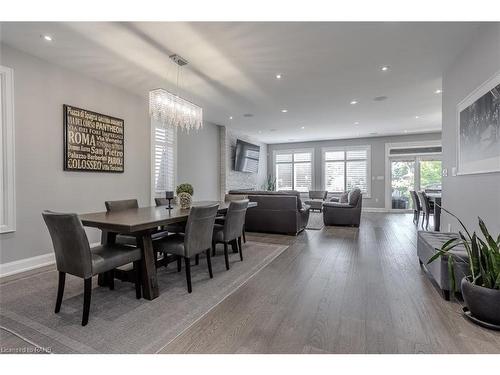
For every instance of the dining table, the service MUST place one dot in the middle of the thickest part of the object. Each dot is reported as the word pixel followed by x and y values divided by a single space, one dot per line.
pixel 142 223
pixel 435 197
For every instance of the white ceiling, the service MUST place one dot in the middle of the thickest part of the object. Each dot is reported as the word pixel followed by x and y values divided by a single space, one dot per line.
pixel 232 68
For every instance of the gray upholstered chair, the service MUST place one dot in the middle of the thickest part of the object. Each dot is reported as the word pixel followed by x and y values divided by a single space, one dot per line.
pixel 336 213
pixel 126 204
pixel 417 208
pixel 75 256
pixel 171 228
pixel 232 229
pixel 316 199
pixel 231 198
pixel 426 208
pixel 196 239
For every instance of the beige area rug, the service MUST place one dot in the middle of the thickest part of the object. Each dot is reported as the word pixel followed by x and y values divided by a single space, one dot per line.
pixel 119 323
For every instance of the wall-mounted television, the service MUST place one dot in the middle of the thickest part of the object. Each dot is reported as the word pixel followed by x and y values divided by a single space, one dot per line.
pixel 246 157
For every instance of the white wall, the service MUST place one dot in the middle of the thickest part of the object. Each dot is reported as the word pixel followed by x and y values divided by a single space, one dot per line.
pixel 41 89
pixel 469 196
pixel 377 145
pixel 198 155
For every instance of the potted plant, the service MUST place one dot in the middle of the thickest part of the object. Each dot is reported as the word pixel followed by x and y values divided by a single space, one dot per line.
pixel 270 184
pixel 481 287
pixel 185 195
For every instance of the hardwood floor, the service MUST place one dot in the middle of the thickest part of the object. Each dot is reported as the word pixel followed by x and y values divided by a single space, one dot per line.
pixel 335 290
pixel 339 290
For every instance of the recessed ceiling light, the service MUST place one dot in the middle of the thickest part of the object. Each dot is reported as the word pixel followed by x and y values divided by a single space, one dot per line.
pixel 417 116
pixel 284 110
pixel 278 76
pixel 406 131
pixel 438 91
pixel 385 68
pixel 48 38
pixel 230 117
pixel 354 102
pixel 356 123
pixel 302 127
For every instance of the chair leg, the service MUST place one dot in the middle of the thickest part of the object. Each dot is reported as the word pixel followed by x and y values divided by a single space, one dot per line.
pixel 226 256
pixel 213 248
pixel 244 235
pixel 60 291
pixel 111 279
pixel 179 264
pixel 197 259
pixel 209 263
pixel 240 249
pixel 137 280
pixel 87 293
pixel 187 262
pixel 234 244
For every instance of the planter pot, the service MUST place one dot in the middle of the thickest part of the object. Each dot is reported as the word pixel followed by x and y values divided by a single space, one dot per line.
pixel 483 303
pixel 185 200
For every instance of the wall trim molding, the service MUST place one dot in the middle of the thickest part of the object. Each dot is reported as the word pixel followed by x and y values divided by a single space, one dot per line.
pixel 374 209
pixel 28 264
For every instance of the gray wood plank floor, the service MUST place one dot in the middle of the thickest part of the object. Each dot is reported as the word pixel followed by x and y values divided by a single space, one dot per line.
pixel 336 290
pixel 340 290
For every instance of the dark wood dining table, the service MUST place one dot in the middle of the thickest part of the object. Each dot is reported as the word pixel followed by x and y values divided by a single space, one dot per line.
pixel 142 223
pixel 436 199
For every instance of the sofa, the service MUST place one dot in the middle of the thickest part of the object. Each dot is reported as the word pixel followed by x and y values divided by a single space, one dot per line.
pixel 427 243
pixel 276 211
pixel 340 212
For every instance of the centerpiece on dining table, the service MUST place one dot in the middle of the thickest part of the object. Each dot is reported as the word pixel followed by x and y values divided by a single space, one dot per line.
pixel 185 195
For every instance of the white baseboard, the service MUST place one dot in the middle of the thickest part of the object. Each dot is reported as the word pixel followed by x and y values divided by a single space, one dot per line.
pixel 374 209
pixel 28 264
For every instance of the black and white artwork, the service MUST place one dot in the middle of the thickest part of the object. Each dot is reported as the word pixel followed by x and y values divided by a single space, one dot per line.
pixel 479 130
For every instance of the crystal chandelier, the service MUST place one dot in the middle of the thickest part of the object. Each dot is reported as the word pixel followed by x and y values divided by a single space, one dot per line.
pixel 171 110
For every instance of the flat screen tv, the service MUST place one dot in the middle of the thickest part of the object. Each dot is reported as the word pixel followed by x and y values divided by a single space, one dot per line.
pixel 246 158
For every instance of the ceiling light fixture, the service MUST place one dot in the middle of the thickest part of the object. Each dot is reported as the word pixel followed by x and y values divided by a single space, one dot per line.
pixel 230 117
pixel 302 127
pixel 48 38
pixel 284 110
pixel 354 102
pixel 278 76
pixel 385 68
pixel 356 123
pixel 417 116
pixel 170 110
pixel 438 91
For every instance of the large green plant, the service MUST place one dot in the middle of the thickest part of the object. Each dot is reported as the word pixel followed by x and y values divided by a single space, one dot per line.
pixel 483 255
pixel 185 188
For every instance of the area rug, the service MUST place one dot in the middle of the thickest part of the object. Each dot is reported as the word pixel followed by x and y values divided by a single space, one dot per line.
pixel 119 323
pixel 315 220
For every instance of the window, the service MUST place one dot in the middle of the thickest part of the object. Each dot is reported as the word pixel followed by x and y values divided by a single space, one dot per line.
pixel 163 158
pixel 7 177
pixel 293 170
pixel 347 168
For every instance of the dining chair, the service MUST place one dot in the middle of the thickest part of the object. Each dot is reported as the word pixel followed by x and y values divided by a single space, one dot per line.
pixel 173 228
pixel 121 205
pixel 231 230
pixel 426 208
pixel 196 239
pixel 75 256
pixel 417 208
pixel 231 198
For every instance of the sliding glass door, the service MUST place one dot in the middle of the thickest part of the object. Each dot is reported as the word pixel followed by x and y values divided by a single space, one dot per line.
pixel 413 173
pixel 402 182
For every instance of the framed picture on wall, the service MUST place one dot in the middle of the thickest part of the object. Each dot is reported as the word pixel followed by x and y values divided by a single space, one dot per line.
pixel 93 142
pixel 478 120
